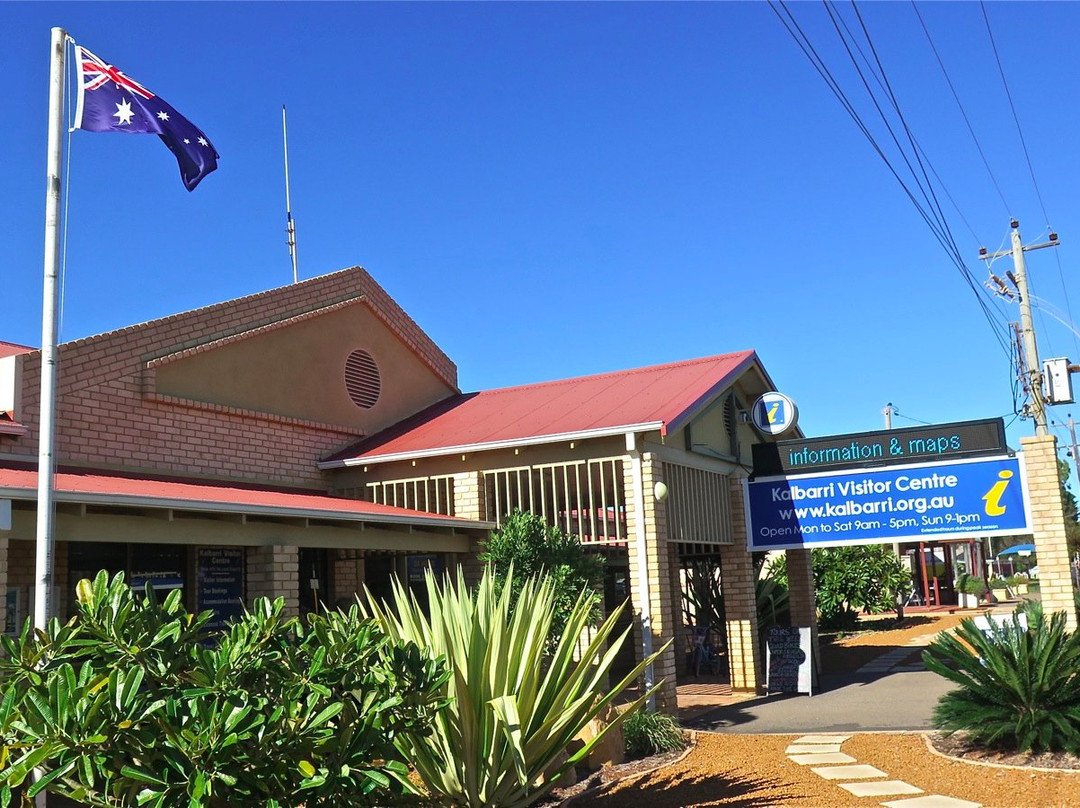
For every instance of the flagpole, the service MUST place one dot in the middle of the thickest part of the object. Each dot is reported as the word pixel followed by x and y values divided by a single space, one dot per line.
pixel 49 306
pixel 290 225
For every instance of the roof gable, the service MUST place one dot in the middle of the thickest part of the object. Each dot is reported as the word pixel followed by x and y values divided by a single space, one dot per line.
pixel 296 368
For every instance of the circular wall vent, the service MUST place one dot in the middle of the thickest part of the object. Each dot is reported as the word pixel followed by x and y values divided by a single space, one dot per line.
pixel 362 379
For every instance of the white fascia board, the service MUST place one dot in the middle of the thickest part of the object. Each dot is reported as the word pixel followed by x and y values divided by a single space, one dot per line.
pixel 512 443
pixel 202 506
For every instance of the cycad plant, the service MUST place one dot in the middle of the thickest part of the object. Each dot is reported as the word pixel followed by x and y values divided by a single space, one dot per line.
pixel 515 705
pixel 1019 688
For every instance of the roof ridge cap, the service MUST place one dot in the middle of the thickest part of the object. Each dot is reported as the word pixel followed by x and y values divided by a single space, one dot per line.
pixel 625 372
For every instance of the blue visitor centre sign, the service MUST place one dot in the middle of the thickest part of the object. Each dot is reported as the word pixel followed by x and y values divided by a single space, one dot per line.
pixel 944 500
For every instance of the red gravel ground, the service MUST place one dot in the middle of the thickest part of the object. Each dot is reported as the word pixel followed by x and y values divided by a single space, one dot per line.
pixel 748 771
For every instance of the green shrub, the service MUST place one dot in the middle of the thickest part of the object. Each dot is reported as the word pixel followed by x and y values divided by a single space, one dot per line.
pixel 971 585
pixel 998 583
pixel 1018 690
pixel 128 704
pixel 703 595
pixel 514 705
pixel 850 580
pixel 528 546
pixel 773 600
pixel 648 733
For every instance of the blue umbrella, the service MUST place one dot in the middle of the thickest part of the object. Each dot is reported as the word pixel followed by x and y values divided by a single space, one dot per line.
pixel 1018 548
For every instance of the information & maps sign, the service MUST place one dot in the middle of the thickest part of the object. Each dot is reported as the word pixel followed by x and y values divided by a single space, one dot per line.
pixel 946 500
pixel 789 660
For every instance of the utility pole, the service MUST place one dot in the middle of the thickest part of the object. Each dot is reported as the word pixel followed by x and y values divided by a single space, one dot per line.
pixel 1027 325
pixel 888 413
pixel 1075 454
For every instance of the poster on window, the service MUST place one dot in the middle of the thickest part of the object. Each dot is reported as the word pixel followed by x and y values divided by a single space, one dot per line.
pixel 13 614
pixel 221 583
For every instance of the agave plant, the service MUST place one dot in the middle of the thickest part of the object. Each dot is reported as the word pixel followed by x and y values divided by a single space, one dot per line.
pixel 1018 688
pixel 515 708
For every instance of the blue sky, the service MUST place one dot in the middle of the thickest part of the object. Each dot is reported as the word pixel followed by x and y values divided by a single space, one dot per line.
pixel 559 189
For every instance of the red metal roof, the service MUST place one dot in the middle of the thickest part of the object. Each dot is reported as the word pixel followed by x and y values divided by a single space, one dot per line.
pixel 96 488
pixel 656 397
pixel 12 349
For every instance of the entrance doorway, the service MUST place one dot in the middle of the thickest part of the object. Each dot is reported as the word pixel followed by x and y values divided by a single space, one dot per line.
pixel 616 593
pixel 935 568
pixel 314 580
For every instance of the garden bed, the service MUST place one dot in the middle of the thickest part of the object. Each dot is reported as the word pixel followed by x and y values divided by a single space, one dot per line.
pixel 958 746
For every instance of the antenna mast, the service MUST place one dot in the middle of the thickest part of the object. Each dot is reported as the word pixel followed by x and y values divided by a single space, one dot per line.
pixel 290 225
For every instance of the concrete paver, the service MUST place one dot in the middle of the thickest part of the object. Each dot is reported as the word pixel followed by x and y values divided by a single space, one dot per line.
pixel 860 771
pixel 932 801
pixel 880 788
pixel 812 739
pixel 817 759
pixel 809 748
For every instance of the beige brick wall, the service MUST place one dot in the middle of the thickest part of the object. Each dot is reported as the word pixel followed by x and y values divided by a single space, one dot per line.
pixel 740 601
pixel 1048 525
pixel 469 504
pixel 801 595
pixel 274 572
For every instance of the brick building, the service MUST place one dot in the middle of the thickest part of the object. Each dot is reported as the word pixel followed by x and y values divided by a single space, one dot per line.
pixel 309 439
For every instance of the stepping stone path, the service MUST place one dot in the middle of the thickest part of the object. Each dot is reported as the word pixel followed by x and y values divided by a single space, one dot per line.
pixel 814 750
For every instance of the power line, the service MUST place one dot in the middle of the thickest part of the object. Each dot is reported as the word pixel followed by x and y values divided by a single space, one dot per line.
pixel 934 219
pixel 1012 106
pixel 1027 158
pixel 899 414
pixel 920 151
pixel 960 106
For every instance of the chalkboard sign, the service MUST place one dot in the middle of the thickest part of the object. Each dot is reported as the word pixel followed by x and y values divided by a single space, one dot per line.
pixel 789 658
pixel 221 583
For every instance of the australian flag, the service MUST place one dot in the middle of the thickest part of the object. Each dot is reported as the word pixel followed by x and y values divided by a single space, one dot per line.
pixel 110 101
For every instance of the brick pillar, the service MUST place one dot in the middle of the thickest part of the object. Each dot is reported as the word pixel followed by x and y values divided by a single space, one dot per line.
pixel 740 600
pixel 274 572
pixel 665 623
pixel 1047 518
pixel 469 503
pixel 801 596
pixel 678 622
pixel 657 566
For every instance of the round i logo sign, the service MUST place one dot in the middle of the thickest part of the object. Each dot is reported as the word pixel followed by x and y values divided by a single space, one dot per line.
pixel 774 413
